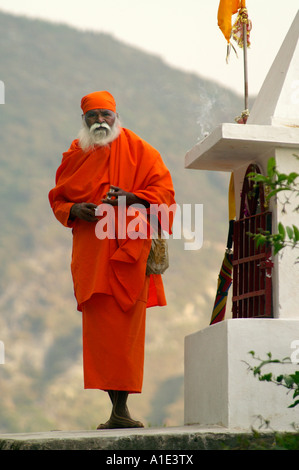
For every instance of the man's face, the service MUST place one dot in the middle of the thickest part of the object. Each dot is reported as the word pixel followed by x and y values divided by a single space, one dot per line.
pixel 100 127
pixel 99 116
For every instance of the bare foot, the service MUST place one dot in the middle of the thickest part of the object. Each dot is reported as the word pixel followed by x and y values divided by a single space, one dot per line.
pixel 116 422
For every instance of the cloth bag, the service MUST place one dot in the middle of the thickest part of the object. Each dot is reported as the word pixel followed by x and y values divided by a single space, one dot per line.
pixel 158 258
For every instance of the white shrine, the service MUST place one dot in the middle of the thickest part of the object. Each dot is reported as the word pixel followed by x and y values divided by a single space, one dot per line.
pixel 219 389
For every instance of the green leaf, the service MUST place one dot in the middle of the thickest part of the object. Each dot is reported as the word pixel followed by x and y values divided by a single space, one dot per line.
pixel 290 232
pixel 289 381
pixel 260 240
pixel 277 238
pixel 277 190
pixel 296 233
pixel 257 178
pixel 294 404
pixel 271 166
pixel 282 177
pixel 295 377
pixel 278 247
pixel 281 230
pixel 266 377
pixel 292 176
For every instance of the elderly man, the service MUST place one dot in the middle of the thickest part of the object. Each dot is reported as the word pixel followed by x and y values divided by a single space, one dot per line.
pixel 105 164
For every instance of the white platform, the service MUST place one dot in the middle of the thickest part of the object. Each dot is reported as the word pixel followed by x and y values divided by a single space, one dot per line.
pixel 231 146
pixel 219 389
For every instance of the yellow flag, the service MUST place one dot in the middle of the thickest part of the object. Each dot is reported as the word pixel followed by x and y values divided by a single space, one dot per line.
pixel 231 199
pixel 226 9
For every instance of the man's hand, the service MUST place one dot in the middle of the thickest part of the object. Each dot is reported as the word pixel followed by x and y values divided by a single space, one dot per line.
pixel 114 193
pixel 85 211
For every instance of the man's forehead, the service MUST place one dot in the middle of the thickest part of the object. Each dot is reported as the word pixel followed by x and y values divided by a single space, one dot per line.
pixel 99 110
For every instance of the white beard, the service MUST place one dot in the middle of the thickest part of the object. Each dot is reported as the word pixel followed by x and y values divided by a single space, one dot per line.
pixel 90 137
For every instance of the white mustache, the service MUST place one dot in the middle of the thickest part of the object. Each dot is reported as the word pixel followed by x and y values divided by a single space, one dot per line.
pixel 89 137
pixel 97 125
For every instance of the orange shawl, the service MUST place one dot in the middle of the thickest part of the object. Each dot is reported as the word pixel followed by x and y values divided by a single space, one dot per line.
pixel 111 266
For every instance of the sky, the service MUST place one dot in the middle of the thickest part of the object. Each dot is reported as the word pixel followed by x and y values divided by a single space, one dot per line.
pixel 184 34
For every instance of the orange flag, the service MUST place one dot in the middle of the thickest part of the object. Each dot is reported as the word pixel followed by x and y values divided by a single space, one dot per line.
pixel 226 9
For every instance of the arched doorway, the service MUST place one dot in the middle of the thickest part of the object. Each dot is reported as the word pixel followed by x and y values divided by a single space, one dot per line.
pixel 252 265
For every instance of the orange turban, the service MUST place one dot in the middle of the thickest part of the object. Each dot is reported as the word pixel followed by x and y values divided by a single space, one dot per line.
pixel 98 100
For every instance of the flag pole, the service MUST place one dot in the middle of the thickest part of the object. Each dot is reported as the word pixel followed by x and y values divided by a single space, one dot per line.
pixel 245 65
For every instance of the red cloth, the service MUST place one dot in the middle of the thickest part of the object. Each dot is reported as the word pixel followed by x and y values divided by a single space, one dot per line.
pixel 111 266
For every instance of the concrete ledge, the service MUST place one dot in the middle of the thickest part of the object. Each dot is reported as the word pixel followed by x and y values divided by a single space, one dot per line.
pixel 157 439
pixel 230 146
pixel 219 389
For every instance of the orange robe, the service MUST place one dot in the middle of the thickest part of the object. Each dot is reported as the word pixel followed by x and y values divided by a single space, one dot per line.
pixel 111 266
pixel 113 343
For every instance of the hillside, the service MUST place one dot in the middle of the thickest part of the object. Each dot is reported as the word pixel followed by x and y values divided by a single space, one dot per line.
pixel 46 69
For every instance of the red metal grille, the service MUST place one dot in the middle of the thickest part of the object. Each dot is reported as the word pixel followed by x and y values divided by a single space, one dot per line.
pixel 252 266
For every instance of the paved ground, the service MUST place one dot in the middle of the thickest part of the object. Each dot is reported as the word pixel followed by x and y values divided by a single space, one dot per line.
pixel 167 438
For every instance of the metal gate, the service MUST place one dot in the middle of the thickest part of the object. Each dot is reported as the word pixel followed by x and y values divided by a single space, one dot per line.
pixel 252 266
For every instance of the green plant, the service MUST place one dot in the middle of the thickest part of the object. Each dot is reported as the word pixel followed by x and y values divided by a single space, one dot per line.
pixel 275 182
pixel 289 381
